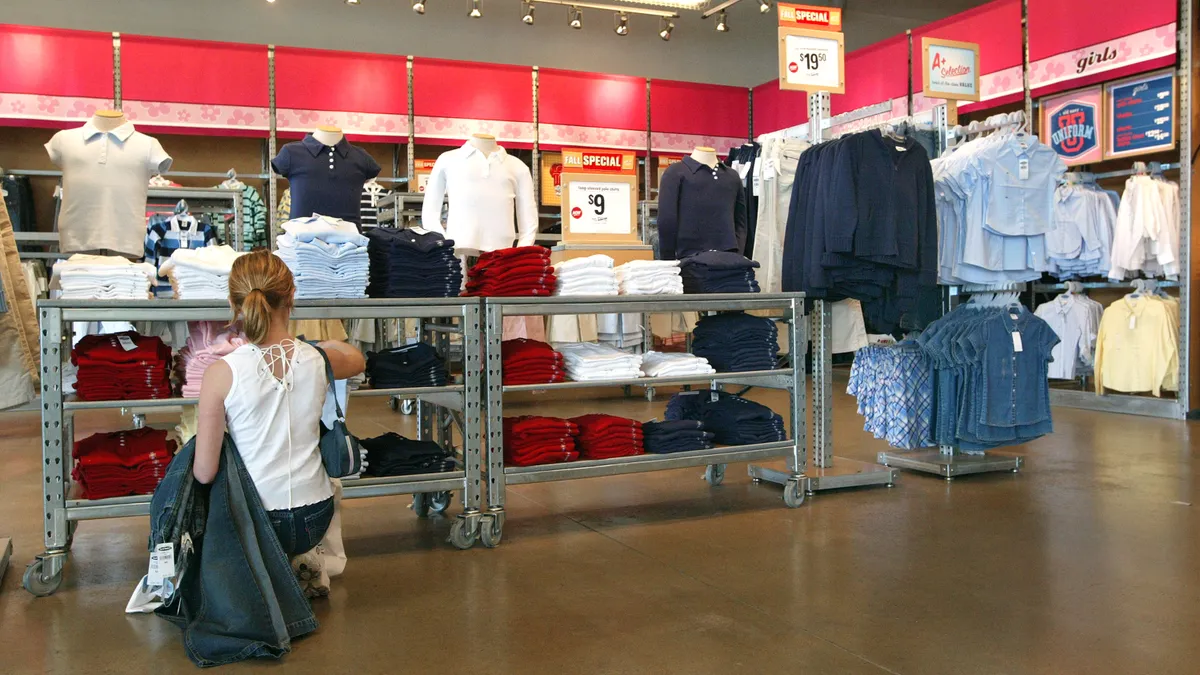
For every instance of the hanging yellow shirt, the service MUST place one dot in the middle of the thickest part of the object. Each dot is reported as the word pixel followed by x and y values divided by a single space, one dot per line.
pixel 1136 348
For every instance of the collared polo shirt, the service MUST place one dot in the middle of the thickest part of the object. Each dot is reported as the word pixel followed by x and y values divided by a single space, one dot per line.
pixel 700 208
pixel 106 176
pixel 325 179
pixel 487 192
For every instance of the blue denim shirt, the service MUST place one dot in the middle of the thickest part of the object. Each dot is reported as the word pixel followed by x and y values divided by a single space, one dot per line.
pixel 1013 391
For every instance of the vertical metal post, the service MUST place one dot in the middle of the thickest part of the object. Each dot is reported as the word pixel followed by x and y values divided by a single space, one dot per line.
pixel 494 414
pixel 473 447
pixel 909 94
pixel 822 365
pixel 537 170
pixel 54 438
pixel 798 348
pixel 818 112
pixel 117 97
pixel 272 149
pixel 649 142
pixel 1025 63
pixel 1184 123
pixel 750 114
pixel 412 142
pixel 941 127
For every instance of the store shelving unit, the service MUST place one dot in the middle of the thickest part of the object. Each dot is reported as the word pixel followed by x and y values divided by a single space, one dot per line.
pixel 62 512
pixel 792 380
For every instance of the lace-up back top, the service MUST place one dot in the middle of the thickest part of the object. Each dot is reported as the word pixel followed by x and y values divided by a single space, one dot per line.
pixel 273 411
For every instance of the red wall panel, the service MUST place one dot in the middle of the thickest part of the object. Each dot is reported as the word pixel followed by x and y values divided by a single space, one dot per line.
pixel 317 79
pixel 1057 27
pixel 873 75
pixel 702 109
pixel 468 90
pixel 171 70
pixel 591 99
pixel 54 62
pixel 776 109
pixel 996 27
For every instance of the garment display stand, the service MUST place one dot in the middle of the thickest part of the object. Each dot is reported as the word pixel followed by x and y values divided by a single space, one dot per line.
pixel 62 512
pixel 789 306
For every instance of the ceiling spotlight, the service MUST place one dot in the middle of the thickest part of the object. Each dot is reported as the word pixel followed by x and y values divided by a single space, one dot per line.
pixel 763 6
pixel 475 13
pixel 353 3
pixel 271 1
pixel 576 21
pixel 528 18
pixel 665 28
pixel 722 25
pixel 419 6
pixel 622 27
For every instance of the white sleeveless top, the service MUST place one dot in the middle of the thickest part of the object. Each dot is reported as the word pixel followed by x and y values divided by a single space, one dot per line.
pixel 275 423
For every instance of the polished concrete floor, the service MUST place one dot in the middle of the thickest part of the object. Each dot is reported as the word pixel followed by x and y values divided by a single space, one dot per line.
pixel 1087 562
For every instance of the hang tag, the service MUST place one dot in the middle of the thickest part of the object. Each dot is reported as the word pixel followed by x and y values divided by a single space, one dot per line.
pixel 183 242
pixel 714 396
pixel 1023 169
pixel 1017 346
pixel 756 184
pixel 126 343
pixel 1132 322
pixel 901 148
pixel 162 564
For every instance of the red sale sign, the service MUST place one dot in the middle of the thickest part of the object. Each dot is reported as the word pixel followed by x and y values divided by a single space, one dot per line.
pixel 576 213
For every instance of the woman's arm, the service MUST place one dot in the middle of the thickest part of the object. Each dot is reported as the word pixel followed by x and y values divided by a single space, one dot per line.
pixel 210 429
pixel 347 361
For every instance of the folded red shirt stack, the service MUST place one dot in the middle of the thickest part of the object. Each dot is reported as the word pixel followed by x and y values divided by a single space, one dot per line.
pixel 122 463
pixel 534 440
pixel 608 436
pixel 121 367
pixel 521 271
pixel 531 362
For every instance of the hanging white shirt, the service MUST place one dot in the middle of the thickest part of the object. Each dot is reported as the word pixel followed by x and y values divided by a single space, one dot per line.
pixel 488 194
pixel 1074 322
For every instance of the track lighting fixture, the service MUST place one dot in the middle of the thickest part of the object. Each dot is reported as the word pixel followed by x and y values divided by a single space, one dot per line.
pixel 475 13
pixel 352 3
pixel 576 21
pixel 763 6
pixel 622 27
pixel 665 28
pixel 419 6
pixel 722 25
pixel 528 17
pixel 271 1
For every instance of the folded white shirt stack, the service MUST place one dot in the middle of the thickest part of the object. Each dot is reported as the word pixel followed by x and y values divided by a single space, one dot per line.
pixel 650 277
pixel 592 275
pixel 103 277
pixel 327 256
pixel 667 364
pixel 200 273
pixel 590 361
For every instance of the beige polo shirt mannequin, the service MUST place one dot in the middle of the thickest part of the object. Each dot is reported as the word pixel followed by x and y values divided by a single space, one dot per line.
pixel 106 167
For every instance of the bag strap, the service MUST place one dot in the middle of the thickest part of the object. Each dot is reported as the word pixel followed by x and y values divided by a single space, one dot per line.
pixel 329 379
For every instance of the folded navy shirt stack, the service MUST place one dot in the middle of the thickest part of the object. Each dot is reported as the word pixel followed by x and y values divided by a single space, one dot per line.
pixel 737 342
pixel 394 455
pixel 678 436
pixel 410 264
pixel 415 365
pixel 731 419
pixel 718 272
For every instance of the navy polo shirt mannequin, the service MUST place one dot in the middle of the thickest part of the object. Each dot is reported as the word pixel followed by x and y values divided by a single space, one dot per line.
pixel 325 179
pixel 701 207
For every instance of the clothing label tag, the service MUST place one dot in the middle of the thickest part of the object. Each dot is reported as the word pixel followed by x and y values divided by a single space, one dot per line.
pixel 901 148
pixel 1017 346
pixel 162 564
pixel 1024 169
pixel 183 241
pixel 1132 322
pixel 126 343
pixel 756 184
pixel 714 396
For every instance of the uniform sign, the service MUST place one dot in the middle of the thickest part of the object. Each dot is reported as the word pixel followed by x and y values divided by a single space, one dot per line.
pixel 1141 115
pixel 810 16
pixel 1072 124
pixel 599 190
pixel 423 168
pixel 951 69
pixel 811 60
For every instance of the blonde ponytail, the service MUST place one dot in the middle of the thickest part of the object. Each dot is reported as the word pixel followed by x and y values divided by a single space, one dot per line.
pixel 259 284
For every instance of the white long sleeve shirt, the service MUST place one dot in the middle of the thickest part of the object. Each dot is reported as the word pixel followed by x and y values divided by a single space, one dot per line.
pixel 488 195
pixel 1146 235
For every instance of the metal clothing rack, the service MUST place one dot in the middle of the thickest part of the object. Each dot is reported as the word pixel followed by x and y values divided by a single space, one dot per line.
pixel 62 512
pixel 792 380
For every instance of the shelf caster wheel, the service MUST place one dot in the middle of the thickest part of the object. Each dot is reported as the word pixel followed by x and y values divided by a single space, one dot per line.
pixel 440 501
pixel 394 403
pixel 421 504
pixel 38 580
pixel 793 494
pixel 461 536
pixel 491 531
pixel 650 394
pixel 714 474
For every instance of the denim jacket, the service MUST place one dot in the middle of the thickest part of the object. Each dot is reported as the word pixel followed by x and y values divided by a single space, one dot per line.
pixel 237 597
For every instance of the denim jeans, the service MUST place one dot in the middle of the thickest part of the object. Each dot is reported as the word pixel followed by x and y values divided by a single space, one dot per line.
pixel 302 528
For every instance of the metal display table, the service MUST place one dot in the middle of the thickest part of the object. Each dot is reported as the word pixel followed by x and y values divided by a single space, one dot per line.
pixel 431 491
pixel 790 308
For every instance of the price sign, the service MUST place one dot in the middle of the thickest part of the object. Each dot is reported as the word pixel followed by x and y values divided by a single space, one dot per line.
pixel 600 208
pixel 811 60
pixel 599 196
pixel 665 161
pixel 951 69
pixel 810 16
pixel 1141 115
pixel 423 168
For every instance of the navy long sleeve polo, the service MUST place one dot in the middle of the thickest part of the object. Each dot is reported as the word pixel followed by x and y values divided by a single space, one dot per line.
pixel 700 208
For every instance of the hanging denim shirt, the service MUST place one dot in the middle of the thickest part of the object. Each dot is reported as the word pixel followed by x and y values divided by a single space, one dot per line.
pixel 1024 174
pixel 1015 350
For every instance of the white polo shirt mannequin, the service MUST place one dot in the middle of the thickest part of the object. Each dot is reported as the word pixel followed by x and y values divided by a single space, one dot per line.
pixel 106 167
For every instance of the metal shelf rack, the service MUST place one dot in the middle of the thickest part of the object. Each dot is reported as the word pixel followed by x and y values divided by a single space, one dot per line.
pixel 791 309
pixel 62 513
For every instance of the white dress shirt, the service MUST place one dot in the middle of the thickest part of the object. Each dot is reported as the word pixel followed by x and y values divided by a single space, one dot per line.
pixel 1074 321
pixel 486 192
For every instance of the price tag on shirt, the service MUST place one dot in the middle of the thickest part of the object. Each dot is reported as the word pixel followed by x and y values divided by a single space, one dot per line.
pixel 1023 169
pixel 162 564
pixel 1132 322
pixel 714 396
pixel 126 343
pixel 1017 346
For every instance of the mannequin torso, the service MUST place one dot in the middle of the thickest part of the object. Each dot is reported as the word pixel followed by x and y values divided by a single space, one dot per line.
pixel 328 136
pixel 485 143
pixel 706 156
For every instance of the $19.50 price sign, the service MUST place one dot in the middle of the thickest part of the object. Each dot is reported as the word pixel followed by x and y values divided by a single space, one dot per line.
pixel 600 208
pixel 811 60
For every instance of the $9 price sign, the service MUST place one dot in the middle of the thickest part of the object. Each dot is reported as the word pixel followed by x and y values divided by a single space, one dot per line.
pixel 600 208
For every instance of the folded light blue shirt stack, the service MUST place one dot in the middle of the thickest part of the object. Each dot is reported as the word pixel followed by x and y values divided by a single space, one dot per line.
pixel 1080 244
pixel 327 256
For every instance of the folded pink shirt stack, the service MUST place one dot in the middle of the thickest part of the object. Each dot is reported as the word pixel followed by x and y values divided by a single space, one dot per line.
pixel 207 342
